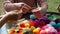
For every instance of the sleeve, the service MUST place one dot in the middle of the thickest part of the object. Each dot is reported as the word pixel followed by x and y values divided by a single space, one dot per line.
pixel 3 29
pixel 0 30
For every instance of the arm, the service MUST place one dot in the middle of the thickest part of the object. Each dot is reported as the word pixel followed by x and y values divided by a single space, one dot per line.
pixel 9 16
pixel 2 21
pixel 41 9
pixel 9 5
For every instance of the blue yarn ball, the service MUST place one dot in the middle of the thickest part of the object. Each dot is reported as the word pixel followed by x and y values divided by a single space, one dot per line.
pixel 32 16
pixel 53 24
pixel 58 25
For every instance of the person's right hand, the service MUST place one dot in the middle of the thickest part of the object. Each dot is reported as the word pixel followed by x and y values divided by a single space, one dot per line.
pixel 9 17
pixel 11 14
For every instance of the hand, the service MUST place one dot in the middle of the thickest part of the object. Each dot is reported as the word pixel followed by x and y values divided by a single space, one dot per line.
pixel 12 15
pixel 9 17
pixel 24 7
pixel 38 12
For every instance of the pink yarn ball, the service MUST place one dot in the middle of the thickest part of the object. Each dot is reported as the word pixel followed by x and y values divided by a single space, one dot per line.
pixel 43 32
pixel 36 22
pixel 53 31
pixel 58 32
pixel 41 23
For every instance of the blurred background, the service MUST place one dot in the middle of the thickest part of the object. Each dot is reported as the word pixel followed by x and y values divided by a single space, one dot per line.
pixel 53 4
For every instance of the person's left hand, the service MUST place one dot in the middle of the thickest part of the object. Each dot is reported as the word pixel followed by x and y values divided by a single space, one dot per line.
pixel 38 12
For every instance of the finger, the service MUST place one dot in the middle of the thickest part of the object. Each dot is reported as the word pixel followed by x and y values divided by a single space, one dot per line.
pixel 18 11
pixel 25 10
pixel 28 6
